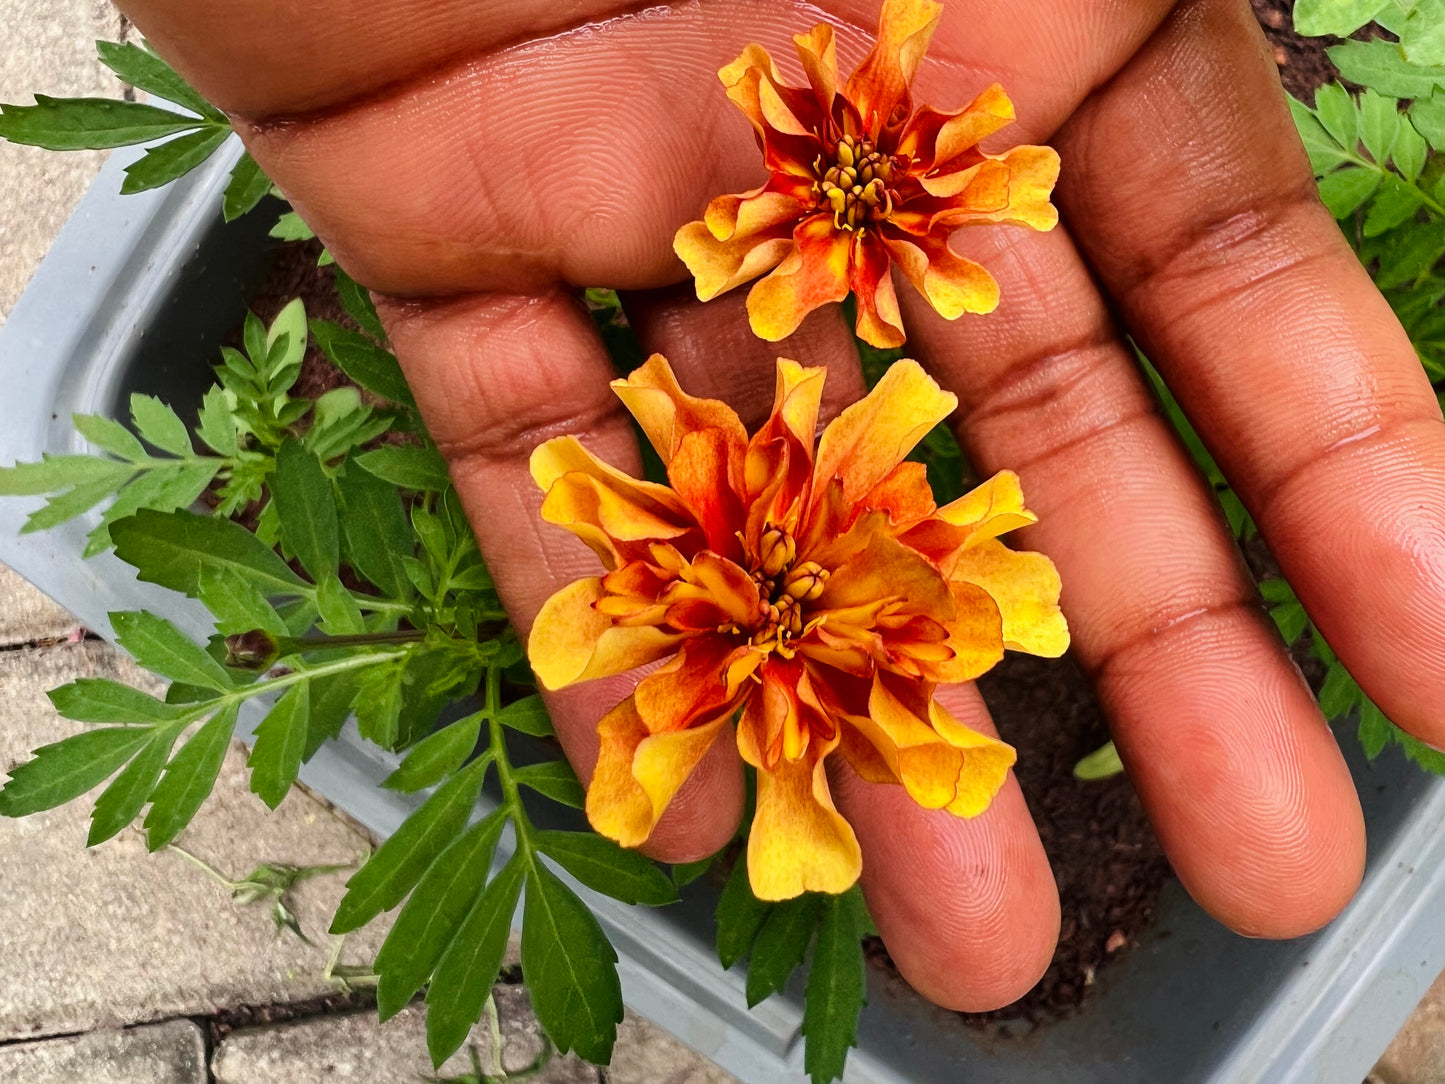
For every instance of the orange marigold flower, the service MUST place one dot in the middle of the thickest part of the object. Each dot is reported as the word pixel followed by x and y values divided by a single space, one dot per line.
pixel 815 595
pixel 858 179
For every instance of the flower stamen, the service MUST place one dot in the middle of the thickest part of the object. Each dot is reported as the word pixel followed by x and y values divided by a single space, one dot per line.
pixel 856 187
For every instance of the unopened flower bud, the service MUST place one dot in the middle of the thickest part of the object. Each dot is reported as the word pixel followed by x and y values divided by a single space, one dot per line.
pixel 254 650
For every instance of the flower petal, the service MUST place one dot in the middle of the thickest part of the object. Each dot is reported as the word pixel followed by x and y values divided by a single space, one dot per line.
pixel 1031 175
pixel 664 761
pixel 617 806
pixel 784 118
pixel 571 642
pixel 819 56
pixel 702 473
pixel 666 413
pixel 799 842
pixel 719 266
pixel 952 284
pixel 607 520
pixel 986 762
pixel 814 273
pixel 904 493
pixel 874 435
pixel 975 635
pixel 934 137
pixel 796 398
pixel 1026 588
pixel 690 686
pixel 879 322
pixel 879 85
pixel 986 511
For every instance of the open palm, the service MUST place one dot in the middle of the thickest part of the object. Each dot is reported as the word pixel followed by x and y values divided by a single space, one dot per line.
pixel 474 164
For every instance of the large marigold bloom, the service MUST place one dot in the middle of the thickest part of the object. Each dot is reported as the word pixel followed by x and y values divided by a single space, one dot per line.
pixel 815 595
pixel 858 180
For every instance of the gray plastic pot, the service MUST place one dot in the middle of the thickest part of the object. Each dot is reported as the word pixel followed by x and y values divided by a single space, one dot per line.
pixel 138 293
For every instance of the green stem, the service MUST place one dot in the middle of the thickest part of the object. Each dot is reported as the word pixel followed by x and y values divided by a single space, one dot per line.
pixel 511 800
pixel 295 645
pixel 1425 197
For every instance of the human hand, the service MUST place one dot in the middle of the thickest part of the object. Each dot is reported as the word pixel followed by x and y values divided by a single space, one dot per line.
pixel 475 164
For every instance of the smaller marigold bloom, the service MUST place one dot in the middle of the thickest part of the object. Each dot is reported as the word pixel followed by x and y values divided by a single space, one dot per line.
pixel 859 180
pixel 814 595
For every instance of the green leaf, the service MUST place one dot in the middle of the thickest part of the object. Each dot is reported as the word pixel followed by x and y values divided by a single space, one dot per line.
pixel 101 700
pixel 553 779
pixel 64 770
pixel 166 162
pixel 570 968
pixel 1379 124
pixel 1395 202
pixel 280 740
pixel 378 703
pixel 57 472
pixel 120 803
pixel 331 697
pixel 160 425
pixel 436 908
pixel 68 505
pixel 781 944
pixel 527 716
pixel 1102 763
pixel 1324 153
pixel 1336 111
pixel 291 227
pixel 166 486
pixel 398 864
pixel 1428 117
pixel 189 778
pixel 163 649
pixel 216 424
pixel 378 536
pixel 236 604
pixel 740 915
pixel 1316 18
pixel 837 981
pixel 340 613
pixel 1410 151
pixel 247 188
pixel 368 364
pixel 1379 64
pixel 1422 38
pixel 172 549
pixel 356 300
pixel 602 865
pixel 68 124
pixel 1339 695
pixel 1413 255
pixel 1374 730
pixel 146 71
pixel 290 324
pixel 109 435
pixel 408 466
pixel 1291 621
pixel 436 756
pixel 1417 752
pixel 684 873
pixel 468 968
pixel 1345 189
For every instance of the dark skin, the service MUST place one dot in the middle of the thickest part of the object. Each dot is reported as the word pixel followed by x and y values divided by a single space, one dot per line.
pixel 474 164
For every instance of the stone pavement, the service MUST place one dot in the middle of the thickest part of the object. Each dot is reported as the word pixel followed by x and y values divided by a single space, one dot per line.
pixel 130 968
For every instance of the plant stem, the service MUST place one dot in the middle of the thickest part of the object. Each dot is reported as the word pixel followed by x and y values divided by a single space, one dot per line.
pixel 294 645
pixel 511 800
pixel 1424 196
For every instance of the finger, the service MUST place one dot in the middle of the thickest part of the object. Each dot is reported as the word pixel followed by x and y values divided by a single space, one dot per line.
pixel 715 354
pixel 495 376
pixel 1197 207
pixel 968 908
pixel 1242 779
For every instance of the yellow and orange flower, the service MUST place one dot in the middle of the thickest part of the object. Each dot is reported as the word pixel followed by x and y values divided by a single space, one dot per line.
pixel 815 595
pixel 858 180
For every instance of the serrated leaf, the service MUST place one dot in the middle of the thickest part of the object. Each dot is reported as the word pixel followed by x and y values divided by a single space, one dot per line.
pixel 1344 190
pixel 1412 256
pixel 160 425
pixel 63 770
pixel 468 968
pixel 101 700
pixel 216 425
pixel 236 604
pixel 280 740
pixel 120 803
pixel 527 716
pixel 171 549
pixel 408 466
pixel 740 915
pixel 1315 18
pixel 146 71
pixel 369 365
pixel 340 613
pixel 378 703
pixel 374 524
pixel 436 756
pixel 570 969
pixel 1379 124
pixel 430 680
pixel 331 697
pixel 1410 151
pixel 290 324
pixel 1339 695
pixel 1335 108
pixel 162 164
pixel 433 914
pixel 1428 117
pixel 1418 753
pixel 170 485
pixel 836 990
pixel 248 187
pixel 109 435
pixel 1374 730
pixel 291 227
pixel 1395 202
pixel 68 505
pixel 1422 37
pixel 1291 620
pixel 781 944
pixel 356 300
pixel 163 649
pixel 189 778
pixel 398 864
pixel 1324 153
pixel 553 779
pixel 56 472
pixel 1381 65
pixel 68 124
pixel 602 865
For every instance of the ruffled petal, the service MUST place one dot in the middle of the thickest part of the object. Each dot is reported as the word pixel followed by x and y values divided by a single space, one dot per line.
pixel 975 636
pixel 719 266
pixel 819 56
pixel 935 137
pixel 703 473
pixel 617 806
pixel 879 87
pixel 1029 175
pixel 1026 588
pixel 799 842
pixel 666 413
pixel 987 511
pixel 571 641
pixel 814 273
pixel 690 686
pixel 952 284
pixel 876 433
pixel 784 118
pixel 986 762
pixel 879 322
